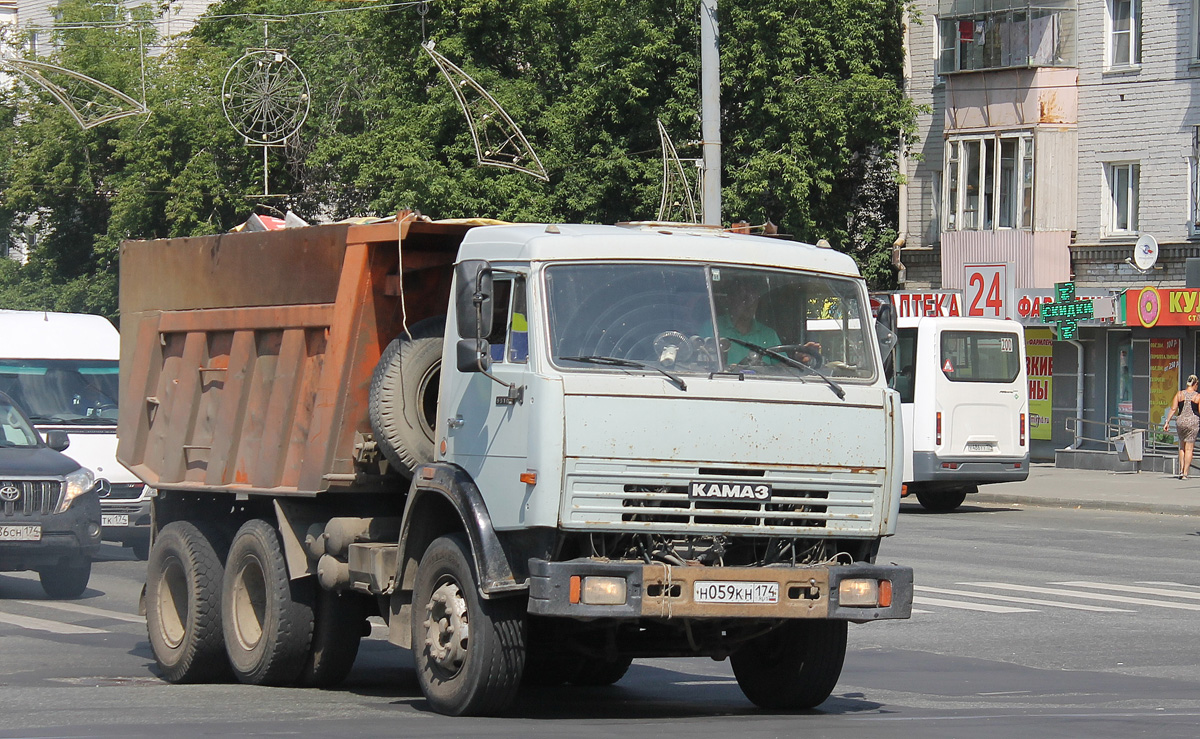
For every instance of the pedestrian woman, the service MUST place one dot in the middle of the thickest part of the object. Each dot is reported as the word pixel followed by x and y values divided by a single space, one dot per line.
pixel 1187 406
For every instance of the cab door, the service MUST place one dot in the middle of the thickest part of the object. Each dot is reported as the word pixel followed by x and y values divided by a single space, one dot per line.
pixel 485 431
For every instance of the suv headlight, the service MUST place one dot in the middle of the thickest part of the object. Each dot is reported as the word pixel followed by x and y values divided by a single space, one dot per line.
pixel 79 483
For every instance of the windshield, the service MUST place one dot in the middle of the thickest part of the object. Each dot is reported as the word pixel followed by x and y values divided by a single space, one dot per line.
pixel 63 391
pixel 697 319
pixel 14 430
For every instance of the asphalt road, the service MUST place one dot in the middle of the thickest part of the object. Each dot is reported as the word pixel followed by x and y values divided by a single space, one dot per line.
pixel 1042 622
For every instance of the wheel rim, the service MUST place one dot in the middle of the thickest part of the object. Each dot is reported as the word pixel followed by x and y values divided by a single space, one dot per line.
pixel 172 603
pixel 249 603
pixel 447 631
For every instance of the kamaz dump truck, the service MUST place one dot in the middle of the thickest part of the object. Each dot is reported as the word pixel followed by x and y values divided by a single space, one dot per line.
pixel 538 452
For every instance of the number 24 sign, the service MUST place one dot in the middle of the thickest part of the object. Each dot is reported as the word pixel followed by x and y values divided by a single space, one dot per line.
pixel 986 291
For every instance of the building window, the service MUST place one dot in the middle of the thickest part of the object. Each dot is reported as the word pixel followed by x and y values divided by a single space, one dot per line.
pixel 989 182
pixel 1123 198
pixel 992 34
pixel 1194 183
pixel 1124 27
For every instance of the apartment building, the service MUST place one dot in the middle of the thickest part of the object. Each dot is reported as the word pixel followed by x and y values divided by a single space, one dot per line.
pixel 174 17
pixel 1059 134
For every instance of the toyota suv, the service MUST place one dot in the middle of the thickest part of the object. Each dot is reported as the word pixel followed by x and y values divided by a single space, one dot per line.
pixel 49 506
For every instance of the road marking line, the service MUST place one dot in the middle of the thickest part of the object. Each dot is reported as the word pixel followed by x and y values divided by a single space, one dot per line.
pixel 1172 584
pixel 1128 589
pixel 85 610
pixel 969 606
pixel 918 610
pixel 1016 599
pixel 1089 596
pixel 41 624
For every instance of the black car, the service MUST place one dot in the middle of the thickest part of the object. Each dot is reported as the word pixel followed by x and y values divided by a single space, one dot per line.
pixel 49 507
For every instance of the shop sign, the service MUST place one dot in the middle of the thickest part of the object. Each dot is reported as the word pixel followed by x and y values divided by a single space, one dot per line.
pixel 1039 368
pixel 1029 301
pixel 1160 306
pixel 987 292
pixel 1164 378
pixel 929 304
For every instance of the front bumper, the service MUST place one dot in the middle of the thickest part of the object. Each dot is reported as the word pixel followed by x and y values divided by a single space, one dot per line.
pixel 71 535
pixel 929 467
pixel 666 591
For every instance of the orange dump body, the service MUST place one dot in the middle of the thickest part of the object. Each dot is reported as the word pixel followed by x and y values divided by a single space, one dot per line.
pixel 246 358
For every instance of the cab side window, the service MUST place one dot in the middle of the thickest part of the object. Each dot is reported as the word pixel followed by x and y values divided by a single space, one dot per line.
pixel 501 308
pixel 518 335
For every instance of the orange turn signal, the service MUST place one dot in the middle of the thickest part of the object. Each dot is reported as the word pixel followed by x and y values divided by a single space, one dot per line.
pixel 885 593
pixel 573 596
pixel 529 478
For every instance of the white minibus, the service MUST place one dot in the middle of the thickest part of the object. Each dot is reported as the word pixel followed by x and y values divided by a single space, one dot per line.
pixel 62 370
pixel 965 406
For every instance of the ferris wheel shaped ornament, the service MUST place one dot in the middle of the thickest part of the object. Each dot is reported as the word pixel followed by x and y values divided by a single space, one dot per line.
pixel 265 98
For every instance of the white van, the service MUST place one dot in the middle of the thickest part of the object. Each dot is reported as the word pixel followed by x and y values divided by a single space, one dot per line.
pixel 62 369
pixel 965 405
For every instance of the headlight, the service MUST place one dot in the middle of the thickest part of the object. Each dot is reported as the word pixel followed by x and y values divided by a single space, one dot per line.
pixel 79 483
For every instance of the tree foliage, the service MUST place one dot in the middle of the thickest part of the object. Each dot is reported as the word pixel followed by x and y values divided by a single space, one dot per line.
pixel 812 113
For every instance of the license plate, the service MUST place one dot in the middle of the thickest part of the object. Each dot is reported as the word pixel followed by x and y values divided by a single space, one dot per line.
pixel 979 447
pixel 115 519
pixel 20 533
pixel 735 592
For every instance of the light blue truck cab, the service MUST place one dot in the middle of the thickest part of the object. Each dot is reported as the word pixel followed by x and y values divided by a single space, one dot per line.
pixel 700 423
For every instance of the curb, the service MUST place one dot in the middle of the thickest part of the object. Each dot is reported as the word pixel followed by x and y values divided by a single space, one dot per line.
pixel 1172 509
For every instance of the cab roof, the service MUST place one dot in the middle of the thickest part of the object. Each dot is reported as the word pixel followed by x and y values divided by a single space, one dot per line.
pixel 652 242
pixel 39 334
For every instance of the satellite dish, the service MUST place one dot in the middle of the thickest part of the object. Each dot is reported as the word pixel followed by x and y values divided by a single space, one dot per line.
pixel 1145 252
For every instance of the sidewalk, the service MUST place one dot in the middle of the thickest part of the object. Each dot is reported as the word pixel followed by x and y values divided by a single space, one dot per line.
pixel 1147 492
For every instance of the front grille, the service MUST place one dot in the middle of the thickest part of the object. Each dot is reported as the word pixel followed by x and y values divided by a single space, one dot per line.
pixel 653 497
pixel 33 497
pixel 124 491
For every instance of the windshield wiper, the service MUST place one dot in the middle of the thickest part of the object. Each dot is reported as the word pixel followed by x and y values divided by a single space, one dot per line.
pixel 837 389
pixel 618 362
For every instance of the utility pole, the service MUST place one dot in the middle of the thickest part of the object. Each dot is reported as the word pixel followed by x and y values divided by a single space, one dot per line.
pixel 710 114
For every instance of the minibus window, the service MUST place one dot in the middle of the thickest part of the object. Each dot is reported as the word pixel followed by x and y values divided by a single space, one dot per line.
pixel 980 356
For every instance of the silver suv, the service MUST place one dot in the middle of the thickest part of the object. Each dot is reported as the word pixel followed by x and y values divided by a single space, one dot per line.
pixel 49 507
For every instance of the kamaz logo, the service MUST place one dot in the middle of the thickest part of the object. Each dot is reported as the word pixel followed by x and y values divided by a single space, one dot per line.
pixel 729 491
pixel 9 493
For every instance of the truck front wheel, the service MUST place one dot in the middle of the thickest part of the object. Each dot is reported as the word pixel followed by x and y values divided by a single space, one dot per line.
pixel 267 618
pixel 469 651
pixel 793 667
pixel 183 605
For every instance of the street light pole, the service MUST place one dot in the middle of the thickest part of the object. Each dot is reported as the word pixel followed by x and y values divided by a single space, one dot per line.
pixel 710 114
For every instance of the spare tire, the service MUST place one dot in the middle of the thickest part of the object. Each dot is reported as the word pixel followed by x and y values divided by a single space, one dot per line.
pixel 403 401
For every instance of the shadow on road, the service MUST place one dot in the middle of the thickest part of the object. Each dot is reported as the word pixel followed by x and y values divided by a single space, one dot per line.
pixel 965 508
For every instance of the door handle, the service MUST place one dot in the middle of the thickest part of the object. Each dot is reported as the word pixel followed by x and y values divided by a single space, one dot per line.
pixel 455 423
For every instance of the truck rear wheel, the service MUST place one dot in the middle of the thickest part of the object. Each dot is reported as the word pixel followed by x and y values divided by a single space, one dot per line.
pixel 267 618
pixel 66 579
pixel 339 623
pixel 183 605
pixel 943 501
pixel 403 401
pixel 794 667
pixel 469 651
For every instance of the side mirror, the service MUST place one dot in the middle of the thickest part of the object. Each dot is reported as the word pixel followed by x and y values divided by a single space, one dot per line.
pixel 473 355
pixel 473 298
pixel 885 328
pixel 57 440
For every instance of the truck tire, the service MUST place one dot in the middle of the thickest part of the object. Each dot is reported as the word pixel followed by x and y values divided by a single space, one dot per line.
pixel 794 667
pixel 67 579
pixel 339 624
pixel 403 401
pixel 469 651
pixel 942 501
pixel 183 605
pixel 267 618
pixel 598 672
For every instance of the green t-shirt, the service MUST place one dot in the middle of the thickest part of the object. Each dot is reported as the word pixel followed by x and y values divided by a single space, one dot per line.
pixel 759 333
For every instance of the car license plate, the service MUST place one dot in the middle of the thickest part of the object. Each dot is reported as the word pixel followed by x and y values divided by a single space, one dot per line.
pixel 115 519
pixel 21 533
pixel 735 592
pixel 979 447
